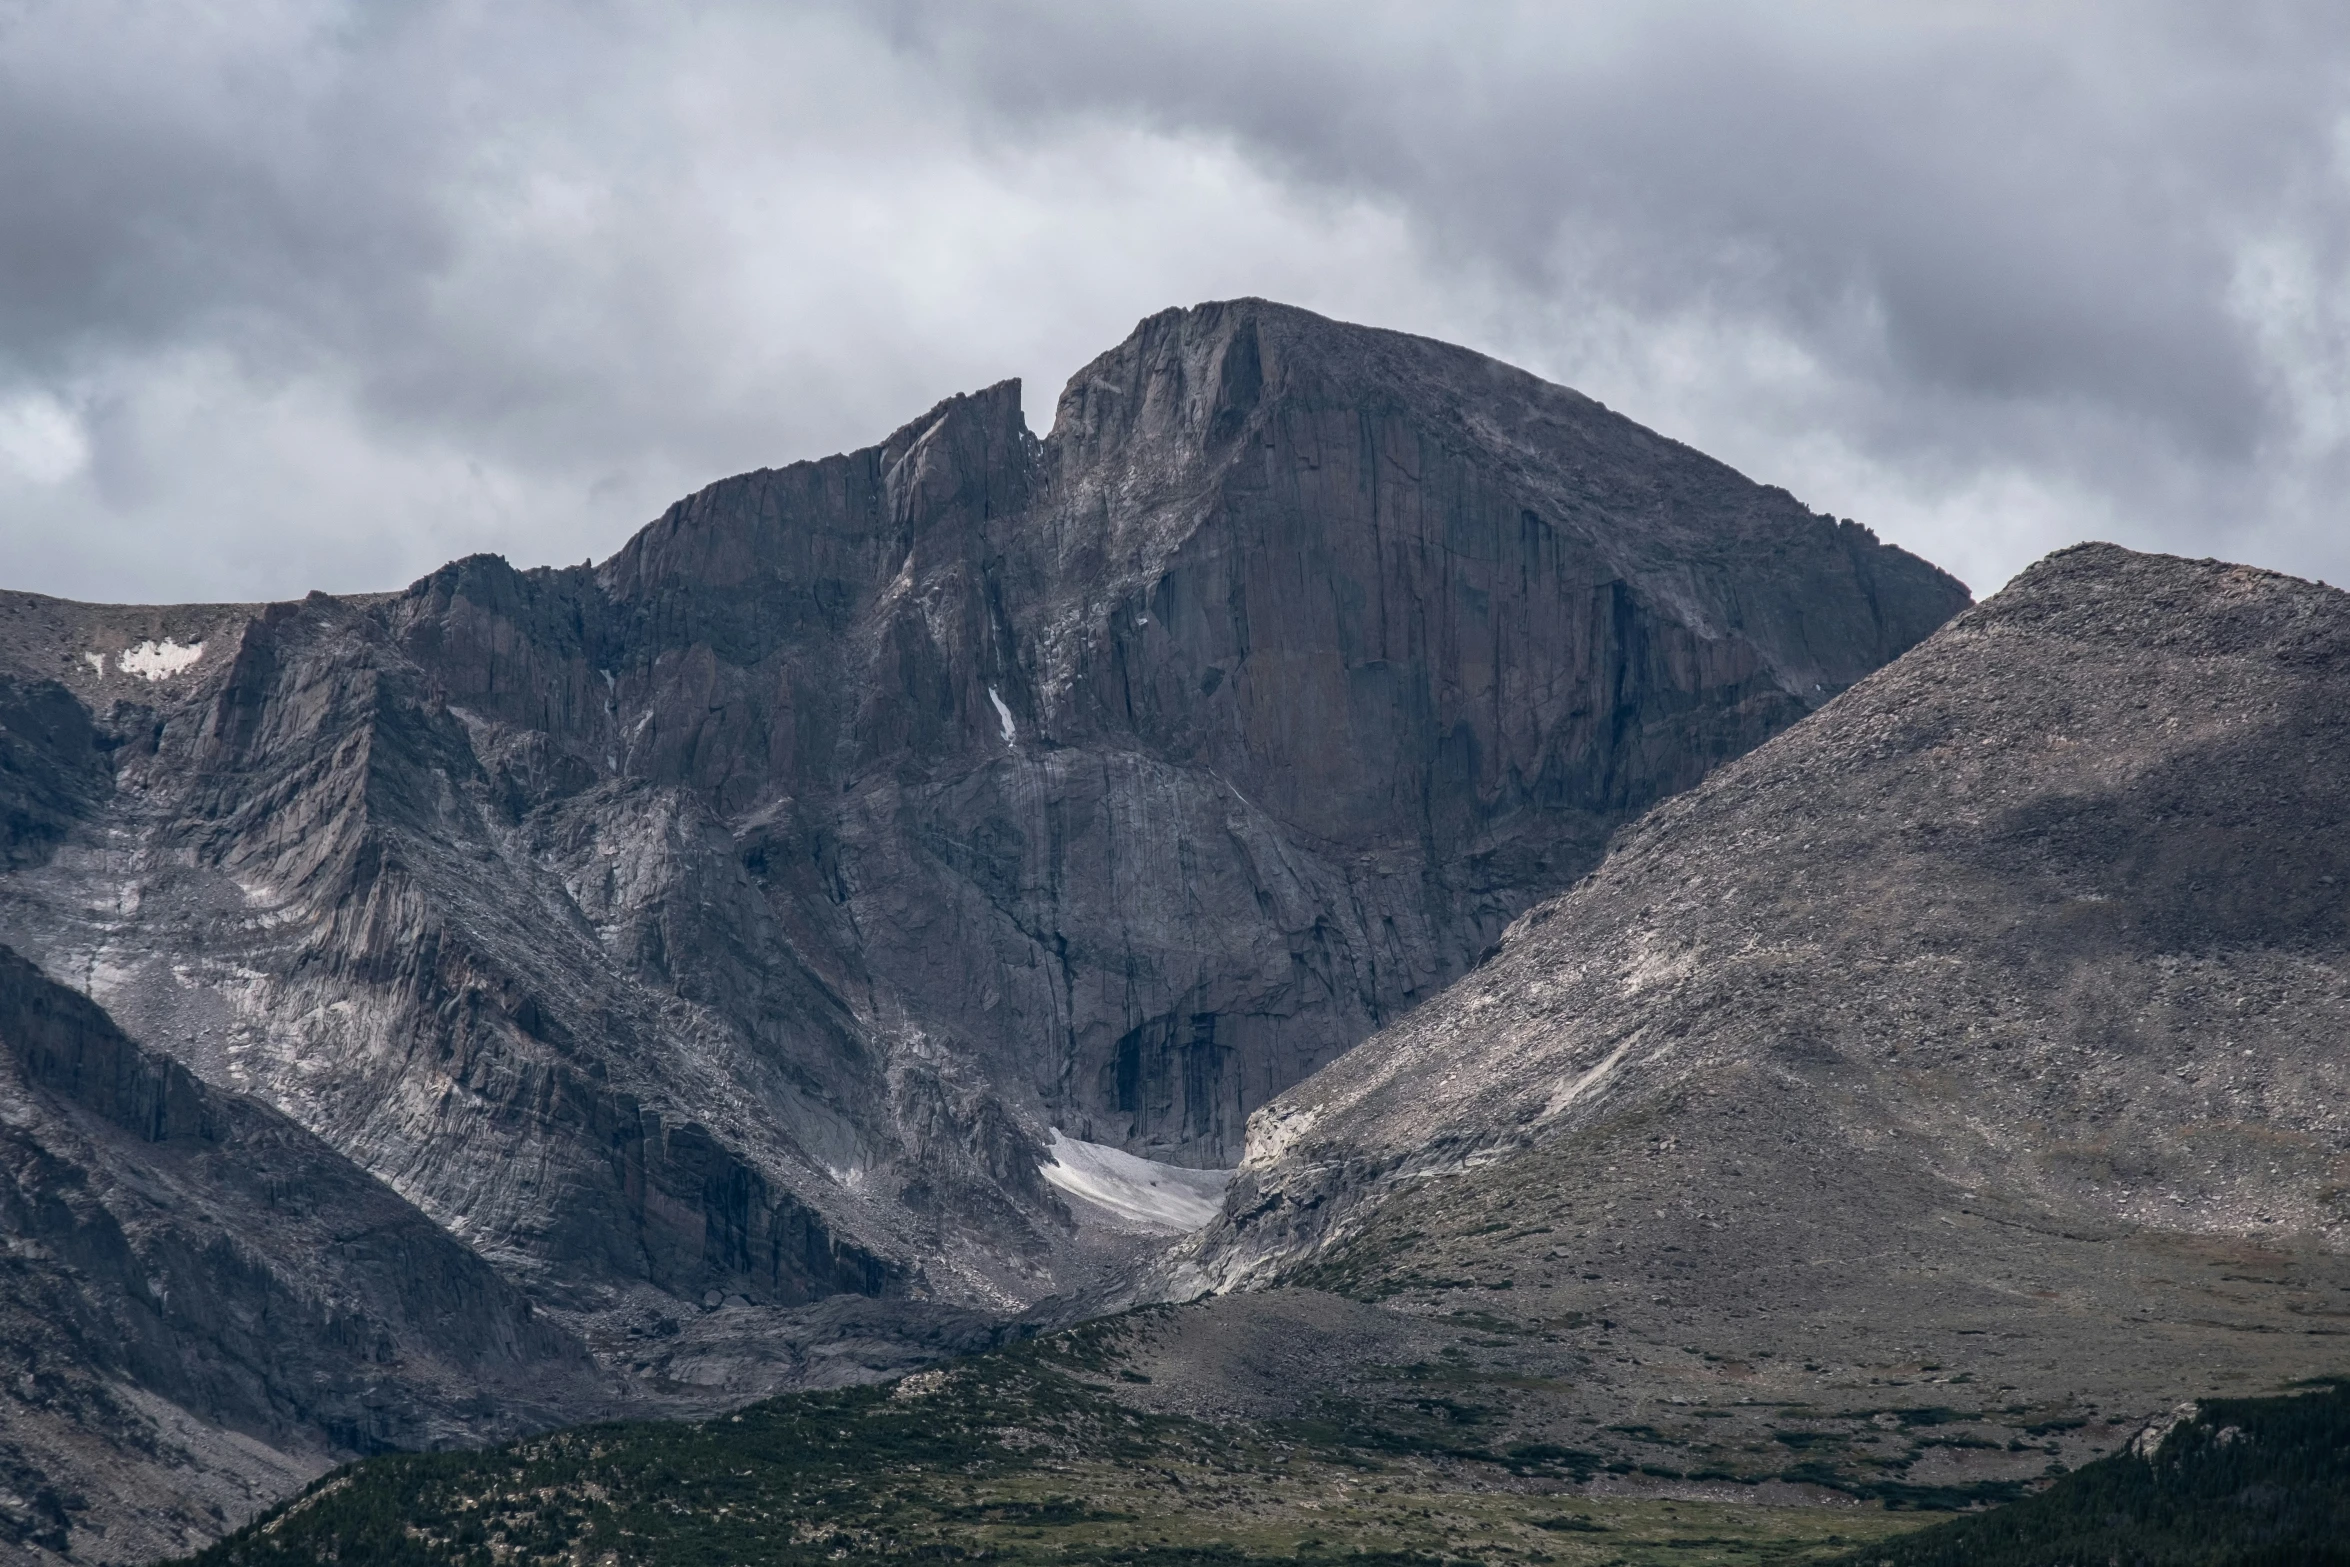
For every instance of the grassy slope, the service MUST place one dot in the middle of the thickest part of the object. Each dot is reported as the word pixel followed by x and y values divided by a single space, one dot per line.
pixel 1018 1456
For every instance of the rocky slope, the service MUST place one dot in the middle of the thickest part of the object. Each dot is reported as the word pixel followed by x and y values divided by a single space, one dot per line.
pixel 730 923
pixel 202 1305
pixel 1957 1075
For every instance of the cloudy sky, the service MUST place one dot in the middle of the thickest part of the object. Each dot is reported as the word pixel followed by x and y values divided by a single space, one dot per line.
pixel 300 295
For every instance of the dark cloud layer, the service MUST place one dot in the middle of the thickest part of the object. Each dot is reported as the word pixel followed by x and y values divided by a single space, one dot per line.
pixel 298 296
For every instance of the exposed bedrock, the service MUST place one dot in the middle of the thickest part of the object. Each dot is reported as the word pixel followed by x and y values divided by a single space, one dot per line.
pixel 736 917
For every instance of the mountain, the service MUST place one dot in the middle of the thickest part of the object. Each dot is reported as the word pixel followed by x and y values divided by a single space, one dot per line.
pixel 1943 1088
pixel 1894 1123
pixel 202 1305
pixel 732 925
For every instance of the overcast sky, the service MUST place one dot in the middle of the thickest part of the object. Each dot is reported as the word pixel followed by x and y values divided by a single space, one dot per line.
pixel 299 295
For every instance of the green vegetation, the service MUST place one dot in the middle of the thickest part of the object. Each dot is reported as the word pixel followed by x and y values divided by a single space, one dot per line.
pixel 1021 1456
pixel 1029 1455
pixel 2243 1482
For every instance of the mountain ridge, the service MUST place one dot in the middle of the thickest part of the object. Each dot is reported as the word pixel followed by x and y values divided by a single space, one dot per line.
pixel 2055 599
pixel 502 815
pixel 717 940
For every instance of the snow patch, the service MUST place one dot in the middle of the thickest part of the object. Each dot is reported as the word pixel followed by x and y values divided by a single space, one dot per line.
pixel 1011 733
pixel 158 660
pixel 1146 1194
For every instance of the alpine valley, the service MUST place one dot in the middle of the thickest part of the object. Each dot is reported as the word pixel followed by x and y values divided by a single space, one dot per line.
pixel 867 920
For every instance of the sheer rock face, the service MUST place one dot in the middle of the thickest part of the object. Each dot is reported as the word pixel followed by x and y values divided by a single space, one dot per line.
pixel 1988 1027
pixel 203 1304
pixel 731 920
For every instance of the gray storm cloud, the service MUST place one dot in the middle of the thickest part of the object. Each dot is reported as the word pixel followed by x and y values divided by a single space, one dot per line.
pixel 297 296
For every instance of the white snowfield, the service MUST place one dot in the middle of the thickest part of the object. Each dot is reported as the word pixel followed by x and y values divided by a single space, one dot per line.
pixel 1011 730
pixel 1144 1193
pixel 157 660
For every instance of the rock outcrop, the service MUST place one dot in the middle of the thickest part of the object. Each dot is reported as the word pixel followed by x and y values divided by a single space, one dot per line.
pixel 732 922
pixel 1980 1037
pixel 202 1304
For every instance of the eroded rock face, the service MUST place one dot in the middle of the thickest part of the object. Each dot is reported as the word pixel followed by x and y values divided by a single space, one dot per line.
pixel 733 920
pixel 203 1304
pixel 1982 1037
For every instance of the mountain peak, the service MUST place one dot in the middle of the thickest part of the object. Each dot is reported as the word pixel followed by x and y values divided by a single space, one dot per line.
pixel 743 921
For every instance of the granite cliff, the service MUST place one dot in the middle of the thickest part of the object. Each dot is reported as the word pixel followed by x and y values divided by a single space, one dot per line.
pixel 1915 1109
pixel 771 955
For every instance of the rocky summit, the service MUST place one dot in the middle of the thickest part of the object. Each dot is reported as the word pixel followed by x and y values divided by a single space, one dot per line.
pixel 857 887
pixel 1932 1095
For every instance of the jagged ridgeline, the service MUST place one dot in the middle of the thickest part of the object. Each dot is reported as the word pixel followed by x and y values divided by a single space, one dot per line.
pixel 765 891
pixel 1901 1114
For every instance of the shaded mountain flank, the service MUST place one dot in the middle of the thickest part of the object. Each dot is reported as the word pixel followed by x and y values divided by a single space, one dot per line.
pixel 202 1305
pixel 731 925
pixel 1927 1098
